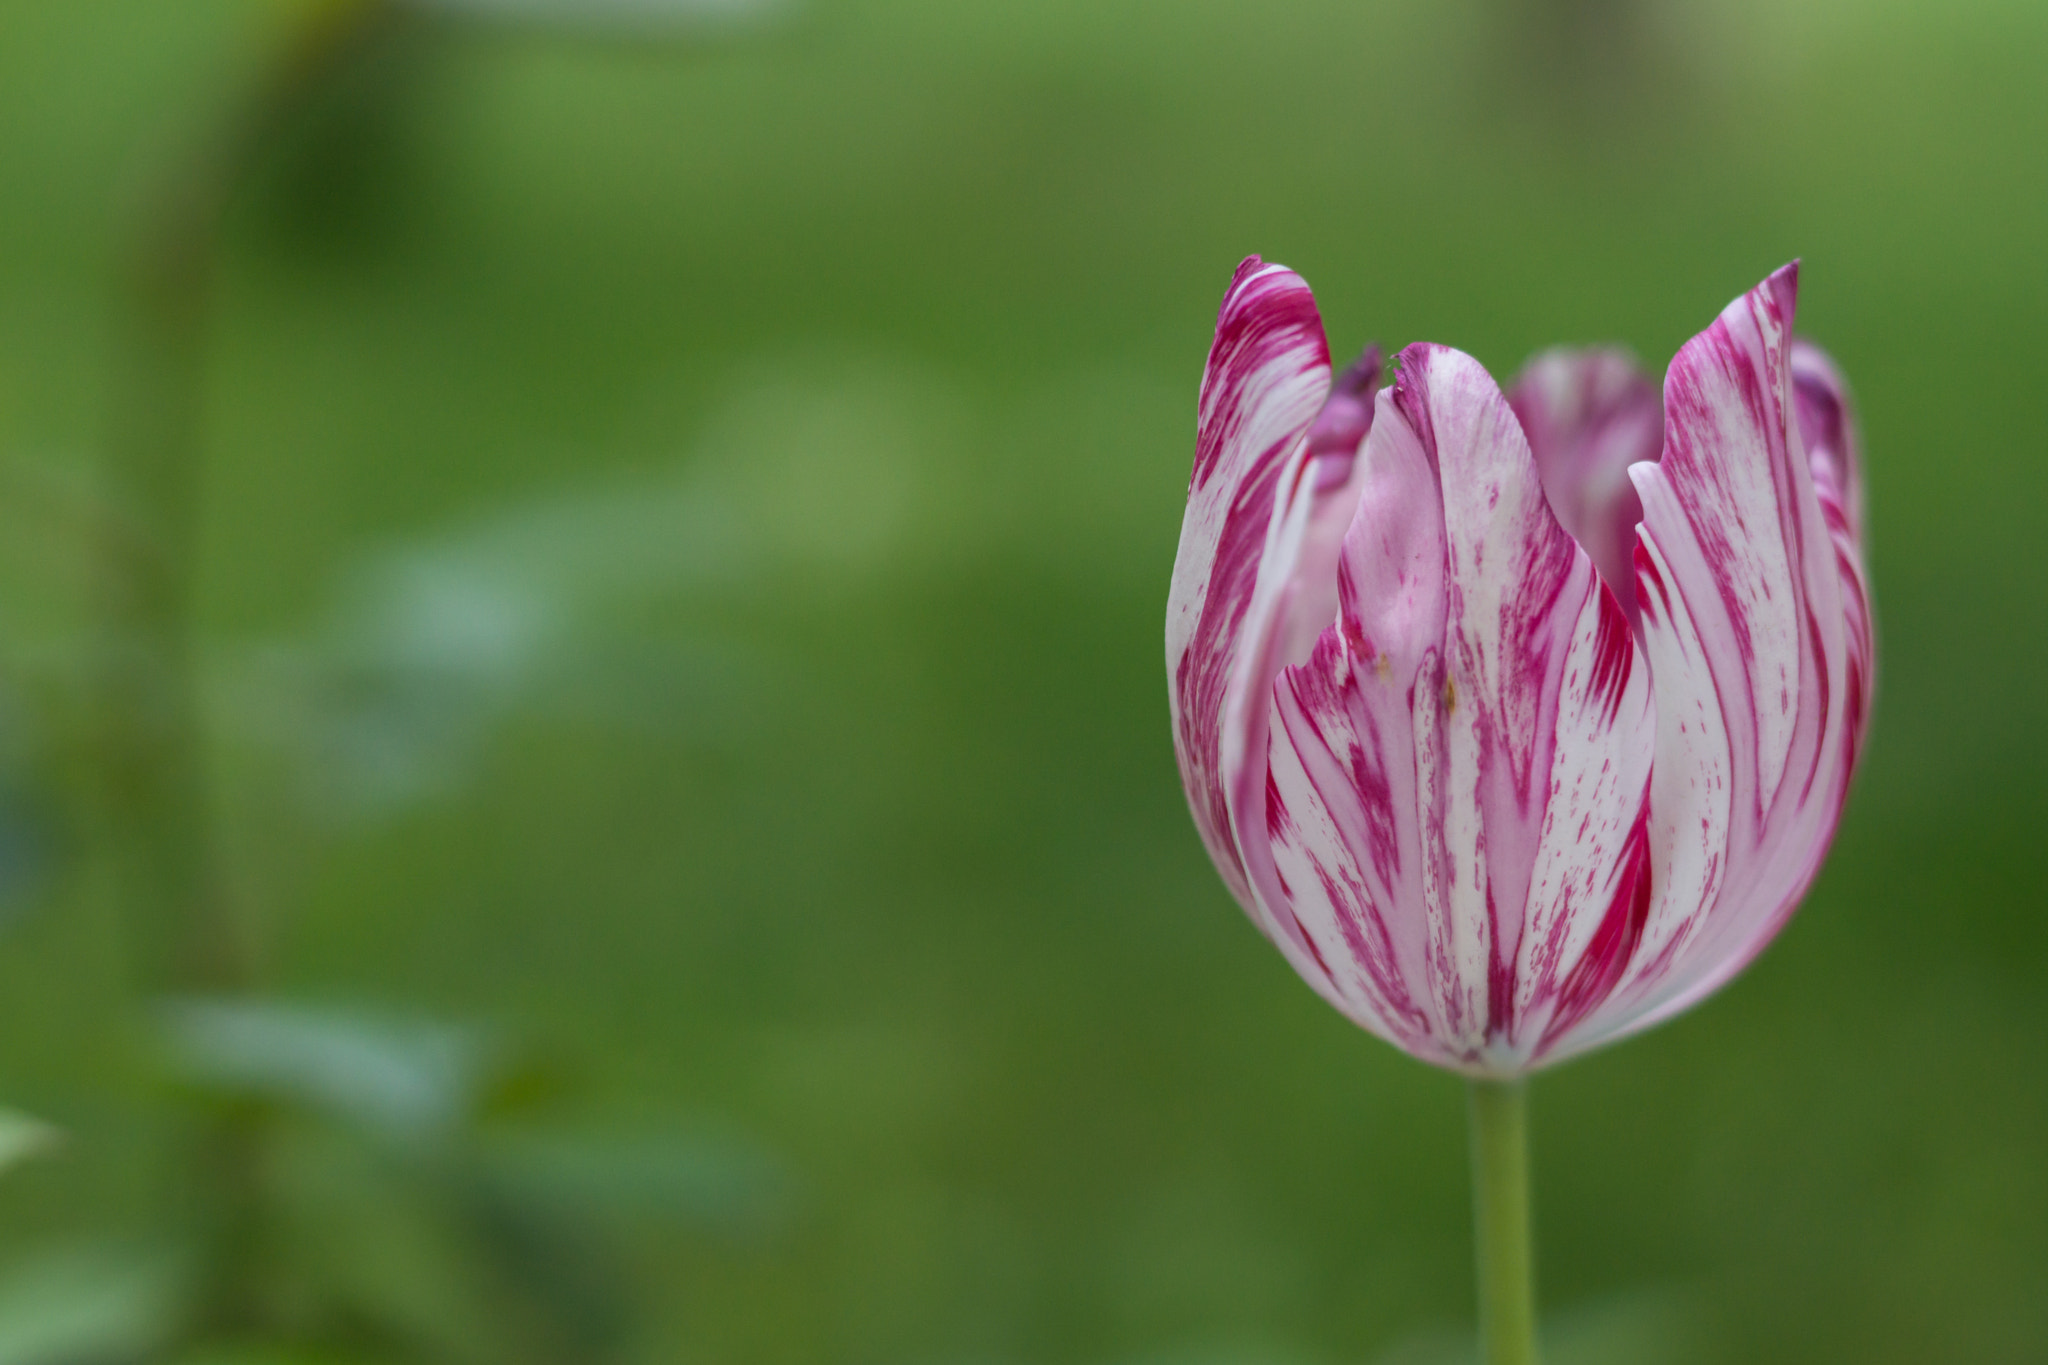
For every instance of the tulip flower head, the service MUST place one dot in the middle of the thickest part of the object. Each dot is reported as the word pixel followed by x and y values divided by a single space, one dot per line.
pixel 1518 722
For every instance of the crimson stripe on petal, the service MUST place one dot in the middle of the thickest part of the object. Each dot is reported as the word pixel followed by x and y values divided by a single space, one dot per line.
pixel 1267 375
pixel 1343 749
pixel 1541 727
pixel 1589 414
pixel 1589 894
pixel 1757 626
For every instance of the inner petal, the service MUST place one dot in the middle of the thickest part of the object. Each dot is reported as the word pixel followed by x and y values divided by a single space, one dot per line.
pixel 1589 414
pixel 1337 479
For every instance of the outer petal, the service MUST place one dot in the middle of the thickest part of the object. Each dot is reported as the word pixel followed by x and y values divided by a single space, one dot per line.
pixel 1757 630
pixel 1590 414
pixel 1345 802
pixel 1545 714
pixel 1267 376
pixel 1458 773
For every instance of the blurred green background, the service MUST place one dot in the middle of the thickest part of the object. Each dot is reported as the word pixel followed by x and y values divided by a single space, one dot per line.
pixel 686 508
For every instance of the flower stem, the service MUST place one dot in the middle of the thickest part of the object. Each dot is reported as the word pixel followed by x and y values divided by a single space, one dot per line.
pixel 1500 1207
pixel 149 746
pixel 152 802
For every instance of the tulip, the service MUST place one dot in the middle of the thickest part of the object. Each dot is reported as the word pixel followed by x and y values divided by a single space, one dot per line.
pixel 1518 722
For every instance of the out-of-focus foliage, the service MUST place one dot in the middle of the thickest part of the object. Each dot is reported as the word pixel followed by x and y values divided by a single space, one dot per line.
pixel 86 1304
pixel 23 1136
pixel 383 1189
pixel 684 542
pixel 639 19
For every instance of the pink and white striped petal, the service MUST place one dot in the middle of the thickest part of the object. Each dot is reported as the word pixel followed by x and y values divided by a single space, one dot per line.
pixel 1589 414
pixel 1267 376
pixel 1344 814
pixel 1754 617
pixel 1512 736
pixel 1827 424
pixel 1545 709
pixel 1471 739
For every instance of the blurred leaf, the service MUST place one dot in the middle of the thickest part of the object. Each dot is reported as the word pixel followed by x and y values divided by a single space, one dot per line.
pixel 552 1267
pixel 376 1252
pixel 432 644
pixel 406 1080
pixel 87 1305
pixel 23 1136
pixel 433 1253
pixel 829 468
pixel 716 1181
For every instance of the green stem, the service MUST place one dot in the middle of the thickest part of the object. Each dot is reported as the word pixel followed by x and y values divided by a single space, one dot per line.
pixel 149 749
pixel 1500 1207
pixel 148 741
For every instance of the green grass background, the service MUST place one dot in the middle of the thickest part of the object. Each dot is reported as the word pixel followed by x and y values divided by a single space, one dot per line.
pixel 909 899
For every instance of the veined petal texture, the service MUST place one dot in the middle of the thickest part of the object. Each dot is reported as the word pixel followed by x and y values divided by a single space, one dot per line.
pixel 1757 622
pixel 1512 735
pixel 1589 414
pixel 1267 377
pixel 1458 773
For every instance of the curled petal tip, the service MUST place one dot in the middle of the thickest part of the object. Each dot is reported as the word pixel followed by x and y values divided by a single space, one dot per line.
pixel 1247 269
pixel 1341 426
pixel 1362 375
pixel 1267 376
pixel 1784 287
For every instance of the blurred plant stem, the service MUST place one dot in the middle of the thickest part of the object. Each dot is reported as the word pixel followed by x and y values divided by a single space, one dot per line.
pixel 152 800
pixel 151 789
pixel 1586 61
pixel 1500 1206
